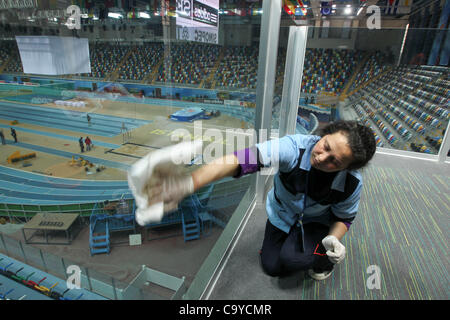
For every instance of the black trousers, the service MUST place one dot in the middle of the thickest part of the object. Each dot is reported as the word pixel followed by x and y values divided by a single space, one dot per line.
pixel 282 254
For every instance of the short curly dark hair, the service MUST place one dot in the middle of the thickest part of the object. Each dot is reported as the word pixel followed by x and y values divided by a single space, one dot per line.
pixel 360 139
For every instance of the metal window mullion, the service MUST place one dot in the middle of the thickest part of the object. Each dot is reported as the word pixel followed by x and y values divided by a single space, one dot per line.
pixel 267 61
pixel 295 57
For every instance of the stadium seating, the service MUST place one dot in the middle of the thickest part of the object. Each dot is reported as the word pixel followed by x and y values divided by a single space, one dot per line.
pixel 105 58
pixel 14 64
pixel 140 62
pixel 238 68
pixel 328 69
pixel 191 64
pixel 5 50
pixel 187 64
pixel 409 106
pixel 375 65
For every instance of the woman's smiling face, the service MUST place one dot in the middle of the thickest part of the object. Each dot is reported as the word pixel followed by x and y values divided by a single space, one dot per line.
pixel 332 153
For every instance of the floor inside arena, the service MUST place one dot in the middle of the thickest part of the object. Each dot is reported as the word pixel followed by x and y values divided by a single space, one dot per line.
pixel 164 252
pixel 119 148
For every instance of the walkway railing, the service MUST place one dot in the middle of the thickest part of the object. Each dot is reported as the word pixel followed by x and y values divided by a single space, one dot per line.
pixel 91 280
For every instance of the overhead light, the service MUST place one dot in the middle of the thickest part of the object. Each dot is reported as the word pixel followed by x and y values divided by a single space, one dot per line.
pixel 144 15
pixel 114 15
pixel 348 10
pixel 333 6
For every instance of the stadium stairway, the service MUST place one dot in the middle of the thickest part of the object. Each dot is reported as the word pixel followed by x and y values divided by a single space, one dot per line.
pixel 102 226
pixel 153 75
pixel 191 226
pixel 365 84
pixel 115 74
pixel 355 73
pixel 210 78
pixel 99 241
pixel 103 222
pixel 194 214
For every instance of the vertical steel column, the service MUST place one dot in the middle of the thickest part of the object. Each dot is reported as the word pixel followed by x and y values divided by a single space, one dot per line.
pixel 295 57
pixel 267 61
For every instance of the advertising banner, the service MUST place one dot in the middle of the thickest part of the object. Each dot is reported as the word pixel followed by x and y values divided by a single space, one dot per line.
pixel 198 20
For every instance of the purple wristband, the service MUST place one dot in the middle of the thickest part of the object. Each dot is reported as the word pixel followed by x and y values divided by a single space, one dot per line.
pixel 347 224
pixel 247 161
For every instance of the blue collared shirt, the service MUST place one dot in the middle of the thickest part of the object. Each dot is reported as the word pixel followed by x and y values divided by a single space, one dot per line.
pixel 285 208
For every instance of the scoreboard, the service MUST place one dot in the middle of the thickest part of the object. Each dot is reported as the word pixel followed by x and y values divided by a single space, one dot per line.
pixel 198 20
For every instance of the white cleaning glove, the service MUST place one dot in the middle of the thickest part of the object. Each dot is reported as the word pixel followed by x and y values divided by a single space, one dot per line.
pixel 335 249
pixel 157 183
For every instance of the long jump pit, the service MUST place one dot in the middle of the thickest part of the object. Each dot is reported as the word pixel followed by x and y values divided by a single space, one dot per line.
pixel 133 150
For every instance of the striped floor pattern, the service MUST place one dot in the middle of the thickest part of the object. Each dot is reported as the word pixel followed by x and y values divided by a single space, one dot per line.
pixel 401 229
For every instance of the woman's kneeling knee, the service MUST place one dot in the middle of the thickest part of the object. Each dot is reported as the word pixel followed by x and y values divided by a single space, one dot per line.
pixel 297 263
pixel 271 268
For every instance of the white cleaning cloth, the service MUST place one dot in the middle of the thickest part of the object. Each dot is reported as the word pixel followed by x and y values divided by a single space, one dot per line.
pixel 159 169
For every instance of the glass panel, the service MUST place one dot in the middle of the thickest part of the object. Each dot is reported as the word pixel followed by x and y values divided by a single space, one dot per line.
pixel 182 69
pixel 156 74
pixel 402 97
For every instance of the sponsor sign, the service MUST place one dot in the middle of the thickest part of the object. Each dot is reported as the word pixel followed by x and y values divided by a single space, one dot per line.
pixel 198 20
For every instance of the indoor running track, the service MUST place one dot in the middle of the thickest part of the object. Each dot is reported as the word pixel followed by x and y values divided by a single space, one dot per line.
pixel 22 187
pixel 101 125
